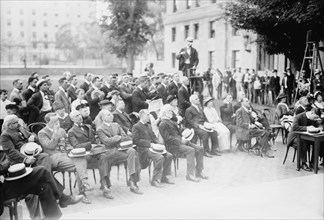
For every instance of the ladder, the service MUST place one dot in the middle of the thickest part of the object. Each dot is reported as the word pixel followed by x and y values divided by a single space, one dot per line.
pixel 311 58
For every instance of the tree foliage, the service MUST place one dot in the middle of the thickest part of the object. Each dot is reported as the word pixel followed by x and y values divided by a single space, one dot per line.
pixel 281 24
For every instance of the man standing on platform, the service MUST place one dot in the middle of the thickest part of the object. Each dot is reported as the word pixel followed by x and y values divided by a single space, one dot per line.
pixel 188 58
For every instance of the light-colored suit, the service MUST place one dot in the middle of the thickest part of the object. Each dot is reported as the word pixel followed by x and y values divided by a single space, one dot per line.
pixel 62 97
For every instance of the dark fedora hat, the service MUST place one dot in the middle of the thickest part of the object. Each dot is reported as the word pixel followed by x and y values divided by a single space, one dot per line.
pixel 281 96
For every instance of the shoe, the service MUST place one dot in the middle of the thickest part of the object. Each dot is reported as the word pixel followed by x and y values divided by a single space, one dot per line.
pixel 269 155
pixel 215 153
pixel 166 180
pixel 85 200
pixel 108 195
pixel 136 190
pixel 305 167
pixel 192 178
pixel 322 164
pixel 70 200
pixel 87 187
pixel 156 184
pixel 311 166
pixel 206 154
pixel 105 188
pixel 202 176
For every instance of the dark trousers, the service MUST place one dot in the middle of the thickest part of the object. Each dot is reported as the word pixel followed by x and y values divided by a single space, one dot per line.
pixel 204 136
pixel 100 161
pixel 192 152
pixel 40 182
pixel 162 164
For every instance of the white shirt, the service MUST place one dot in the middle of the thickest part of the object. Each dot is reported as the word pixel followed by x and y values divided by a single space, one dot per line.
pixel 212 115
pixel 46 103
pixel 187 61
pixel 3 111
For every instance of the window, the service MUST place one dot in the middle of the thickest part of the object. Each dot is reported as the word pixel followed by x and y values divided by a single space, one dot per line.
pixel 175 5
pixel 211 29
pixel 21 11
pixel 45 23
pixel 235 32
pixel 34 12
pixel 9 34
pixel 235 60
pixel 34 23
pixel 22 34
pixel 46 45
pixel 188 4
pixel 21 22
pixel 34 57
pixel 45 14
pixel 45 35
pixel 9 22
pixel 34 35
pixel 197 3
pixel 34 45
pixel 186 31
pixel 211 59
pixel 173 60
pixel 78 15
pixel 56 14
pixel 174 34
pixel 196 26
pixel 213 1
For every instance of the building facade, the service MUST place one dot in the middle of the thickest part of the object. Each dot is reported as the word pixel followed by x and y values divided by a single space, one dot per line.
pixel 219 45
pixel 29 28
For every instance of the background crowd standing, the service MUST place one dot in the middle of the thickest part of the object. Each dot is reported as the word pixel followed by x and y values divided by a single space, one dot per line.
pixel 154 117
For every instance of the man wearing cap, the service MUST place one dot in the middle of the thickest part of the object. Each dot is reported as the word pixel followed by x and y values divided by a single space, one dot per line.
pixel 87 82
pixel 195 119
pixel 71 91
pixel 188 58
pixel 85 114
pixel 94 95
pixel 176 144
pixel 144 138
pixel 31 89
pixel 183 95
pixel 64 118
pixel 54 142
pixel 126 90
pixel 288 84
pixel 41 100
pixel 62 96
pixel 82 136
pixel 122 118
pixel 112 135
pixel 104 105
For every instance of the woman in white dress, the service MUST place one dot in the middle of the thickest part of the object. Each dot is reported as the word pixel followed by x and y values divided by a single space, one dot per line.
pixel 212 116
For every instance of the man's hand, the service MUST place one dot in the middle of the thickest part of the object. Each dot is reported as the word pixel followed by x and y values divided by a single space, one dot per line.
pixel 184 141
pixel 129 133
pixel 201 127
pixel 30 160
pixel 31 138
pixel 252 126
pixel 258 124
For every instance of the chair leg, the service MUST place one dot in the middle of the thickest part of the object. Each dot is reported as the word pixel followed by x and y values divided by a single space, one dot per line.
pixel 287 155
pixel 15 209
pixel 175 165
pixel 126 173
pixel 118 172
pixel 149 170
pixel 11 211
pixel 94 176
pixel 70 183
pixel 294 155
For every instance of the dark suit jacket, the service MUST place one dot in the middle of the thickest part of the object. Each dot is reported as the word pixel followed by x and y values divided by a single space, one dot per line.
pixel 173 89
pixel 193 58
pixel 299 110
pixel 126 94
pixel 300 124
pixel 227 112
pixel 138 101
pixel 171 135
pixel 85 86
pixel 79 138
pixel 27 94
pixel 71 93
pixel 162 93
pixel 123 120
pixel 243 121
pixel 36 100
pixel 93 104
pixel 62 97
pixel 111 136
pixel 194 118
pixel 274 84
pixel 183 99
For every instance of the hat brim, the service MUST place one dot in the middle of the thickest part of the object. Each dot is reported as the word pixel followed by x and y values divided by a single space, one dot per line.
pixel 208 130
pixel 208 100
pixel 126 148
pixel 163 152
pixel 28 171
pixel 281 97
pixel 190 137
pixel 81 155
pixel 22 150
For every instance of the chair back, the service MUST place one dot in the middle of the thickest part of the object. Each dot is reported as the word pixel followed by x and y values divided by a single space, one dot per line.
pixel 36 127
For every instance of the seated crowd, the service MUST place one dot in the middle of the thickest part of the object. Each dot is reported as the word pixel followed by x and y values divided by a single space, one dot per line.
pixel 104 122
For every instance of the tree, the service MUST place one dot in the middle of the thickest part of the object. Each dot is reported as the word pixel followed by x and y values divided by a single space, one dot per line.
pixel 125 30
pixel 281 25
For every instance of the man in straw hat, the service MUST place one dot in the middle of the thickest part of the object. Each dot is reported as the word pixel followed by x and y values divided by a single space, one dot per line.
pixel 178 144
pixel 111 135
pixel 82 136
pixel 54 142
pixel 143 138
pixel 188 57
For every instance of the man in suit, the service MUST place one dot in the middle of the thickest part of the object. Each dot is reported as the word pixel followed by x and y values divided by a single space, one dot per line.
pixel 143 137
pixel 87 82
pixel 304 121
pixel 54 142
pixel 174 86
pixel 31 89
pixel 274 85
pixel 126 90
pixel 41 101
pixel 248 127
pixel 94 95
pixel 122 118
pixel 175 144
pixel 140 96
pixel 109 85
pixel 188 58
pixel 162 88
pixel 304 104
pixel 227 113
pixel 17 88
pixel 195 119
pixel 111 135
pixel 71 91
pixel 82 136
pixel 183 96
pixel 62 96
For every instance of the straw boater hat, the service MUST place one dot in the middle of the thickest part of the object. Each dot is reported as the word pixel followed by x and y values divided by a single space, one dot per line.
pixel 208 127
pixel 158 149
pixel 125 145
pixel 281 96
pixel 31 149
pixel 98 149
pixel 78 152
pixel 17 171
pixel 40 83
pixel 188 134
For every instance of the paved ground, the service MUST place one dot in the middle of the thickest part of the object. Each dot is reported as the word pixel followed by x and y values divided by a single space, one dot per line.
pixel 249 176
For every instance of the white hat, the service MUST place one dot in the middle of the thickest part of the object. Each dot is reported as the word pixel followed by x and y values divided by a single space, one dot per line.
pixel 18 171
pixel 31 149
pixel 158 148
pixel 188 134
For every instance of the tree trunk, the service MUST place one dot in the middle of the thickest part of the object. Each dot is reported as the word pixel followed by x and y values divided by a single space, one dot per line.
pixel 130 61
